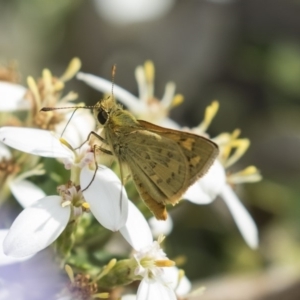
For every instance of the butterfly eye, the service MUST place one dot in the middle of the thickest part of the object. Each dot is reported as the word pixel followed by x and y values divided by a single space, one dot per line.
pixel 102 116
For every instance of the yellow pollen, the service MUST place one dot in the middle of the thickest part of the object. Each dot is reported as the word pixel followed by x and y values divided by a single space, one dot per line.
pixel 34 89
pixel 165 263
pixel 70 272
pixel 85 205
pixel 101 295
pixel 47 76
pixel 64 142
pixel 73 67
pixel 177 100
pixel 149 71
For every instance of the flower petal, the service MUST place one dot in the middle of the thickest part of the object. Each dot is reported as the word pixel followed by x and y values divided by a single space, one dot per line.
pixel 34 141
pixel 152 290
pixel 242 218
pixel 104 86
pixel 159 227
pixel 36 227
pixel 106 196
pixel 26 192
pixel 82 123
pixel 4 152
pixel 207 188
pixel 129 297
pixel 6 260
pixel 12 97
pixel 170 275
pixel 136 231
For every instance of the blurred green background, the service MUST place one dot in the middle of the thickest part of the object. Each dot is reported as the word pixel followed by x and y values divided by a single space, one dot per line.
pixel 246 54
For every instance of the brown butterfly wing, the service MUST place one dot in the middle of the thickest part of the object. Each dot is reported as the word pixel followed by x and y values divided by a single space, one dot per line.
pixel 200 152
pixel 158 167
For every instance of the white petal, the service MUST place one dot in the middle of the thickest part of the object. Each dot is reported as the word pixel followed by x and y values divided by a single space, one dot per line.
pixel 241 216
pixel 34 141
pixel 136 231
pixel 6 260
pixel 123 12
pixel 129 297
pixel 4 152
pixel 104 86
pixel 82 123
pixel 36 227
pixel 12 97
pixel 154 290
pixel 159 227
pixel 207 188
pixel 170 275
pixel 26 192
pixel 169 123
pixel 107 198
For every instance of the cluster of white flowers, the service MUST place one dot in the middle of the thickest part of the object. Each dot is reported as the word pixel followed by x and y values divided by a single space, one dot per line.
pixel 96 188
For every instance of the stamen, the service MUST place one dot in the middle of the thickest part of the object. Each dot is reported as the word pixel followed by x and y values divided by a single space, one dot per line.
pixel 35 91
pixel 72 69
pixel 47 77
pixel 168 96
pixel 64 142
pixel 210 113
pixel 164 263
pixel 177 100
pixel 70 273
pixel 37 171
pixel 141 81
pixel 249 174
pixel 149 73
pixel 241 146
pixel 106 269
pixel 101 295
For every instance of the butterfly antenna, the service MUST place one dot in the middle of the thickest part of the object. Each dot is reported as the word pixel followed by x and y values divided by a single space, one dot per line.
pixel 113 74
pixel 67 107
pixel 68 122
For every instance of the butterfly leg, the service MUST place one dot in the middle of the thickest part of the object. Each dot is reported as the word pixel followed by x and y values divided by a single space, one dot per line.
pixel 97 136
pixel 96 147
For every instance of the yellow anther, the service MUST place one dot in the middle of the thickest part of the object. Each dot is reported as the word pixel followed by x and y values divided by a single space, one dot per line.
pixel 177 100
pixel 165 263
pixel 64 142
pixel 34 89
pixel 161 238
pixel 235 134
pixel 66 203
pixel 249 174
pixel 47 77
pixel 149 71
pixel 70 272
pixel 240 146
pixel 101 295
pixel 85 205
pixel 210 113
pixel 73 67
pixel 106 269
pixel 58 86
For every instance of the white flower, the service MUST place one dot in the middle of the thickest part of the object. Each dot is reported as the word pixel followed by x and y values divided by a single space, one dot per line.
pixel 152 262
pixel 4 259
pixel 14 181
pixel 146 106
pixel 36 227
pixel 159 227
pixel 215 183
pixel 102 190
pixel 136 230
pixel 12 97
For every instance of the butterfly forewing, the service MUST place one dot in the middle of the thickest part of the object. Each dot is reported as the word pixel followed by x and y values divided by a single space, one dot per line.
pixel 199 152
